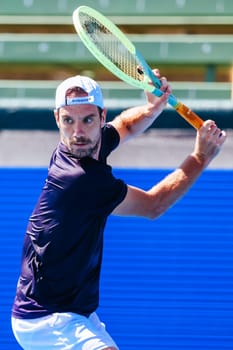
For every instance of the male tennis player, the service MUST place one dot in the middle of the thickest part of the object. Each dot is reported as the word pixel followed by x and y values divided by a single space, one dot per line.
pixel 58 288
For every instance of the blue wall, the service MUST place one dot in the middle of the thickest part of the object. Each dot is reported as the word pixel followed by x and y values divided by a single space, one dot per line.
pixel 166 284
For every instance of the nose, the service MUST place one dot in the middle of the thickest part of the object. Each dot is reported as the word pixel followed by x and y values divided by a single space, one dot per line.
pixel 78 128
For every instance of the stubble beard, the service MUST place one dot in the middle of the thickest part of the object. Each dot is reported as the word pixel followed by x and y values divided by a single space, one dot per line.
pixel 90 152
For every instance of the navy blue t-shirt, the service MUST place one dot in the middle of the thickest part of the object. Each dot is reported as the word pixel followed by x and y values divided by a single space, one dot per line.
pixel 63 244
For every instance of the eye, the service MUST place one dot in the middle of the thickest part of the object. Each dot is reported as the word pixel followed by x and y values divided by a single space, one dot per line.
pixel 67 120
pixel 88 119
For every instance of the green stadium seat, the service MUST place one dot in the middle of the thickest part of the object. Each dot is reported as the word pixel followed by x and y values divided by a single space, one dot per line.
pixel 133 11
pixel 21 89
pixel 65 50
pixel 166 49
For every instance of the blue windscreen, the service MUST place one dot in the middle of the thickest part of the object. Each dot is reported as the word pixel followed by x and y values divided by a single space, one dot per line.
pixel 166 284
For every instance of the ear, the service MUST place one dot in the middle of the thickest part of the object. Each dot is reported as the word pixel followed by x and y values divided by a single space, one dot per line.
pixel 103 117
pixel 56 116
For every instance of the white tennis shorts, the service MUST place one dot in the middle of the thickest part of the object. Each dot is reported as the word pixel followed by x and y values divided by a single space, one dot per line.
pixel 62 331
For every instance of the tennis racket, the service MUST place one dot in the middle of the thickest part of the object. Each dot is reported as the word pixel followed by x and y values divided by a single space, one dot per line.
pixel 117 53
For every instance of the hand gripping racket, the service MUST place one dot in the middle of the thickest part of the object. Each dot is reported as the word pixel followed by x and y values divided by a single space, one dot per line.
pixel 117 53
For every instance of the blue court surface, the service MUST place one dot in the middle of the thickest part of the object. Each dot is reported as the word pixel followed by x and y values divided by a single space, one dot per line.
pixel 166 284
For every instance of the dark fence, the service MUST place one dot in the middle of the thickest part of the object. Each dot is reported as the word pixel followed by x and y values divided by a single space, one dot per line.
pixel 42 118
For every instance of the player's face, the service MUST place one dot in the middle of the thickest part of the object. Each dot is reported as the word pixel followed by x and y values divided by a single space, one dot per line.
pixel 80 129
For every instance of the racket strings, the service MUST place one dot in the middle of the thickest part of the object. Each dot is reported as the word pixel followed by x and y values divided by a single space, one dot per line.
pixel 111 47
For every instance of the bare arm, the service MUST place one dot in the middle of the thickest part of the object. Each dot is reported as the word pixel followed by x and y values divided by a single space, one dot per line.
pixel 134 121
pixel 163 195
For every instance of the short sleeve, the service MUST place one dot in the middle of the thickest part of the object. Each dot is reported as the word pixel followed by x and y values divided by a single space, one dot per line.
pixel 110 141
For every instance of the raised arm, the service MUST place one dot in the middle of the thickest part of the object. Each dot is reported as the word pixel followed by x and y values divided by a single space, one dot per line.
pixel 135 120
pixel 162 196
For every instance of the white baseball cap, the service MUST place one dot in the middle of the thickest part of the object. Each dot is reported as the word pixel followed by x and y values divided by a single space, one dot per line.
pixel 89 85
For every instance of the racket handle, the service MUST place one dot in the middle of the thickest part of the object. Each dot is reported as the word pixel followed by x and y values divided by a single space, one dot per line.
pixel 191 117
pixel 185 112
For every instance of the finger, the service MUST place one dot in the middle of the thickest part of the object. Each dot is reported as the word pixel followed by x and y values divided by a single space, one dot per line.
pixel 156 72
pixel 220 136
pixel 223 136
pixel 213 131
pixel 164 84
pixel 207 126
pixel 208 123
pixel 165 87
